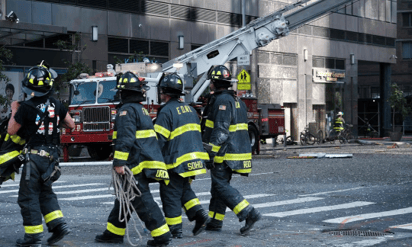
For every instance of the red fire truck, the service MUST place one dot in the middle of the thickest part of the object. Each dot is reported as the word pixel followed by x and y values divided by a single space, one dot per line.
pixel 93 101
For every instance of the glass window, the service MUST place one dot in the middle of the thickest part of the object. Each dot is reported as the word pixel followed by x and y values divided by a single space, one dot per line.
pixel 107 92
pixel 407 50
pixel 84 93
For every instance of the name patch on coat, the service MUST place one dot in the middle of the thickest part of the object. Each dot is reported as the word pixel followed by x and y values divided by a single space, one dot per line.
pixel 222 107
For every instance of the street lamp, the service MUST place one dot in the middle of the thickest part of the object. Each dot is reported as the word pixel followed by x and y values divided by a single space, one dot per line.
pixel 95 33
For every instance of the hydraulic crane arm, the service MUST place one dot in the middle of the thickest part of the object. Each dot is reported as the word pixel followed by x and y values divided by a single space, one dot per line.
pixel 257 33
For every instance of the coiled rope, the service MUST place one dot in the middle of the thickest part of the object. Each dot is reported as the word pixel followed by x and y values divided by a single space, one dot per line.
pixel 125 190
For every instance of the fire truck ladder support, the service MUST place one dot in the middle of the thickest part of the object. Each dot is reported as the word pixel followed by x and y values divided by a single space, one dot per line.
pixel 257 33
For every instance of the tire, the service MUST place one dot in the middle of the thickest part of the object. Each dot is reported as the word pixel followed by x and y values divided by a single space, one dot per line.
pixel 342 139
pixel 254 139
pixel 289 140
pixel 99 151
pixel 303 139
pixel 311 139
pixel 320 137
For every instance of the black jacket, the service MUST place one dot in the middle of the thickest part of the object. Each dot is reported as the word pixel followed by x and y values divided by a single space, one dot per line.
pixel 226 129
pixel 178 129
pixel 135 143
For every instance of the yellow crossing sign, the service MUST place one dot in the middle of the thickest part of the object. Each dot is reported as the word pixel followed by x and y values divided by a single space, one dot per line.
pixel 243 81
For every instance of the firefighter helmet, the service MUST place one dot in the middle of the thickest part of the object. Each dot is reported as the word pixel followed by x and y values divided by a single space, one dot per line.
pixel 340 113
pixel 39 81
pixel 171 84
pixel 220 76
pixel 131 82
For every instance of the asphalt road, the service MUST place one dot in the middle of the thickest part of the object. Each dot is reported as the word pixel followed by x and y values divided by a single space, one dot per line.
pixel 303 201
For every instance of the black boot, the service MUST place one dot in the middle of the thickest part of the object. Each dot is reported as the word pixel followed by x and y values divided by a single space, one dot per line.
pixel 251 219
pixel 33 240
pixel 58 233
pixel 213 226
pixel 176 230
pixel 157 243
pixel 108 237
pixel 201 220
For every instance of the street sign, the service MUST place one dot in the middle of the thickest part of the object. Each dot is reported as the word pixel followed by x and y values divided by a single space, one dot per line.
pixel 243 77
pixel 243 60
pixel 244 87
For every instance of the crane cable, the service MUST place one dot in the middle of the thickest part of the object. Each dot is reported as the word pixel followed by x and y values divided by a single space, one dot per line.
pixel 125 190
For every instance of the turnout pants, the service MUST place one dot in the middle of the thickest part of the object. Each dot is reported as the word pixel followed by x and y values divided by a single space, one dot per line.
pixel 147 210
pixel 224 195
pixel 176 194
pixel 37 199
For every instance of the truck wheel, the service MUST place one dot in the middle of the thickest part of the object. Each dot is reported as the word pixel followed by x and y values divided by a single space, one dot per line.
pixel 254 140
pixel 99 151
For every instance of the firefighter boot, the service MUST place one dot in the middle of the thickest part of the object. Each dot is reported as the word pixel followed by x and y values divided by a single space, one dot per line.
pixel 176 230
pixel 214 225
pixel 33 240
pixel 157 243
pixel 108 237
pixel 201 220
pixel 58 233
pixel 251 219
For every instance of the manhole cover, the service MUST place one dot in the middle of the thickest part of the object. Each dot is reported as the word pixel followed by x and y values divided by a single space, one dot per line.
pixel 357 233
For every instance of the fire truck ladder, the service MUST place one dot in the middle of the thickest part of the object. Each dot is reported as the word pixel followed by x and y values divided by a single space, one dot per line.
pixel 257 33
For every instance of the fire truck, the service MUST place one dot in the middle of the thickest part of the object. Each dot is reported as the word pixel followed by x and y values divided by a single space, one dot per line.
pixel 93 99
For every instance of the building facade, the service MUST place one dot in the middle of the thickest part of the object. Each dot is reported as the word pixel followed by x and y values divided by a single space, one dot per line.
pixel 313 73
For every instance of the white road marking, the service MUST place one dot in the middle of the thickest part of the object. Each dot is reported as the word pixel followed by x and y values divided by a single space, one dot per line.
pixel 58 187
pixel 17 183
pixel 78 198
pixel 404 226
pixel 347 219
pixel 319 209
pixel 293 201
pixel 365 243
pixel 333 191
pixel 208 201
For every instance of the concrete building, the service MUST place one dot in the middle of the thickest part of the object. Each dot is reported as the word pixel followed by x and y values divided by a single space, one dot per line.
pixel 313 72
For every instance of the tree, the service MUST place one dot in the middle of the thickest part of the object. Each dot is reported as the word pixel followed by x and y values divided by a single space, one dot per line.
pixel 398 103
pixel 74 67
pixel 5 56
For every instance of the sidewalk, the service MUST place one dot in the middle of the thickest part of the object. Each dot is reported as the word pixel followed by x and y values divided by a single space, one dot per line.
pixel 406 141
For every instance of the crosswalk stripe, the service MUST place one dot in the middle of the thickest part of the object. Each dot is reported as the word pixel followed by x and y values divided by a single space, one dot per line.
pixel 58 187
pixel 333 191
pixel 78 198
pixel 18 184
pixel 405 226
pixel 77 191
pixel 347 219
pixel 293 201
pixel 319 209
pixel 208 201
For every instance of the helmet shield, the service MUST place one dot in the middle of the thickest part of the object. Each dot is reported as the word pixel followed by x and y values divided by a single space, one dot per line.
pixel 220 76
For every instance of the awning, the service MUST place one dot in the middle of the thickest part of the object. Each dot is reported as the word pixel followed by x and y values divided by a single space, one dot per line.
pixel 13 34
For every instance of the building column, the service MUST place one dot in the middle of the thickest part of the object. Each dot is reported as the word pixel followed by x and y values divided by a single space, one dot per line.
pixel 385 90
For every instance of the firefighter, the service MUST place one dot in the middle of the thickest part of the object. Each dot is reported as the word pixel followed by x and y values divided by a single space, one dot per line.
pixel 135 146
pixel 38 120
pixel 226 130
pixel 339 122
pixel 178 130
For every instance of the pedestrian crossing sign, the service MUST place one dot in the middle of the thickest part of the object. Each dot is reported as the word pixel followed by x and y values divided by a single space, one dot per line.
pixel 243 81
pixel 243 77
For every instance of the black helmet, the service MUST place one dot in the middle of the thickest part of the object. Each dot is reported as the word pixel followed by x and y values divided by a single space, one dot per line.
pixel 171 84
pixel 220 76
pixel 130 82
pixel 39 81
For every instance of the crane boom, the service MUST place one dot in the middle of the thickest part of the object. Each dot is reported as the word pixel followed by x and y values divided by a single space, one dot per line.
pixel 257 33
